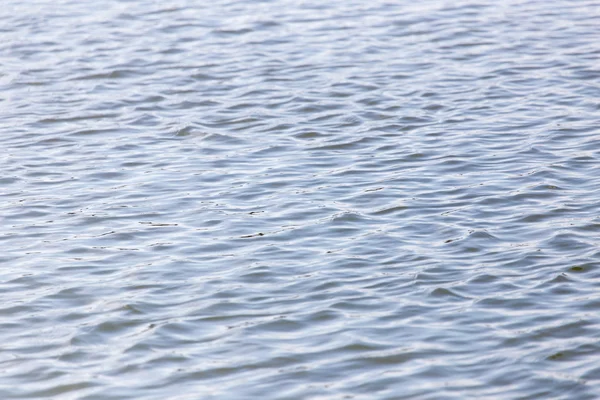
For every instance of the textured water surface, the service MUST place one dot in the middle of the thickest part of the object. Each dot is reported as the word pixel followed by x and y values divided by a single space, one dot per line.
pixel 299 199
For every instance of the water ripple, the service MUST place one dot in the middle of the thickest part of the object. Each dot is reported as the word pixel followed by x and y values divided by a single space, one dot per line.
pixel 299 200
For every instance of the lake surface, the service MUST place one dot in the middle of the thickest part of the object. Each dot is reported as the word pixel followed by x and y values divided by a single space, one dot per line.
pixel 300 199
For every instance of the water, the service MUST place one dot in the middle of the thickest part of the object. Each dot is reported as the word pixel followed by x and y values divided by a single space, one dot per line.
pixel 289 200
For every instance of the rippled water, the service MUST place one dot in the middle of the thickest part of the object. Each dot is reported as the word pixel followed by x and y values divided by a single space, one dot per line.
pixel 287 200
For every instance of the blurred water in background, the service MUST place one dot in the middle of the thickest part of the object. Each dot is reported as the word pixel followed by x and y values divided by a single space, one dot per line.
pixel 299 199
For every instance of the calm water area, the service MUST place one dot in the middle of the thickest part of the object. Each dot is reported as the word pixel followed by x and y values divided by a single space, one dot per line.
pixel 280 199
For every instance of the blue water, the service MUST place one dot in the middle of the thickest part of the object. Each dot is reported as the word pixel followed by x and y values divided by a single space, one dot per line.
pixel 299 200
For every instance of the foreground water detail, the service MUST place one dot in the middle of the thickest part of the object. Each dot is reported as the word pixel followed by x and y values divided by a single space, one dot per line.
pixel 289 200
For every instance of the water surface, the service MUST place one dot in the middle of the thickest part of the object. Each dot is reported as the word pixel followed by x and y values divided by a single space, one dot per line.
pixel 290 200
